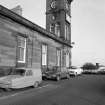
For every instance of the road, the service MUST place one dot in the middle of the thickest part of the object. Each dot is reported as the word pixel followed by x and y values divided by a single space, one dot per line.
pixel 82 90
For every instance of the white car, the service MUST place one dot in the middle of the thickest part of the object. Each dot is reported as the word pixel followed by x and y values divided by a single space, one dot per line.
pixel 101 70
pixel 74 71
pixel 20 78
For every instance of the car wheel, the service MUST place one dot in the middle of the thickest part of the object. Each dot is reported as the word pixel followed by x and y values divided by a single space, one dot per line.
pixel 44 78
pixel 36 84
pixel 58 78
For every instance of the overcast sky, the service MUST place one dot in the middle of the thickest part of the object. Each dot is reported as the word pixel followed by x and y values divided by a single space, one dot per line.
pixel 88 26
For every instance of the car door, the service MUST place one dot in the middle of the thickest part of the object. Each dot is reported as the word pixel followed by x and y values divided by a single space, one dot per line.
pixel 29 78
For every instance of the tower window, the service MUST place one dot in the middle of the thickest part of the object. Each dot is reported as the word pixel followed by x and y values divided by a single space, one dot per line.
pixel 57 29
pixel 66 32
pixel 52 28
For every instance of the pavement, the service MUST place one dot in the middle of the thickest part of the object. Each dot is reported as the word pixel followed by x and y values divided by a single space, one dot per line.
pixel 81 90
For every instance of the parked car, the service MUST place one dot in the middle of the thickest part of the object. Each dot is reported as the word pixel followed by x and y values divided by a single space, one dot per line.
pixel 101 70
pixel 74 71
pixel 94 71
pixel 56 73
pixel 21 78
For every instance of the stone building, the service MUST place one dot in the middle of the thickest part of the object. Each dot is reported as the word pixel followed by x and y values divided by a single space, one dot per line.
pixel 25 44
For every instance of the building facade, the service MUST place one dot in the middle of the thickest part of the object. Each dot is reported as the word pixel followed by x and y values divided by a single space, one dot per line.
pixel 58 22
pixel 25 44
pixel 58 18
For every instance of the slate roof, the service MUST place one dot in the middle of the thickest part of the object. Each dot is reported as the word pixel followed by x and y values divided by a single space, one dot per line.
pixel 21 20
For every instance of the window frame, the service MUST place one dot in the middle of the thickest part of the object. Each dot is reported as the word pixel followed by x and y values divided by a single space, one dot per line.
pixel 45 55
pixel 57 29
pixel 67 59
pixel 21 47
pixel 52 28
pixel 58 59
pixel 29 73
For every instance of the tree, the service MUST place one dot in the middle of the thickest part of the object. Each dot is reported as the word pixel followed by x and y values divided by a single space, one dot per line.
pixel 89 66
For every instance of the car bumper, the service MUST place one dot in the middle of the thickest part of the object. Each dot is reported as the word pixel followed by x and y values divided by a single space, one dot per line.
pixel 5 85
pixel 49 76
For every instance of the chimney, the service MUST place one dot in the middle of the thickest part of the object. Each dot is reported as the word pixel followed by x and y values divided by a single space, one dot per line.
pixel 17 10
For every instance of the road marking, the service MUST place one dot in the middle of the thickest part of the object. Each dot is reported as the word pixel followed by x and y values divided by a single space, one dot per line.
pixel 15 94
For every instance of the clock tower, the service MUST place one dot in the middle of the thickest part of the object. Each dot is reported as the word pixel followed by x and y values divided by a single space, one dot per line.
pixel 58 18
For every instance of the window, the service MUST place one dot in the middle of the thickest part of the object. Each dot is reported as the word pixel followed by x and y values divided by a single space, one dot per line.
pixel 21 49
pixel 29 73
pixel 67 59
pixel 58 57
pixel 52 28
pixel 57 29
pixel 66 32
pixel 44 54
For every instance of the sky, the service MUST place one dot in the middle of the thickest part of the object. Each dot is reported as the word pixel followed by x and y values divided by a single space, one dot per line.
pixel 87 26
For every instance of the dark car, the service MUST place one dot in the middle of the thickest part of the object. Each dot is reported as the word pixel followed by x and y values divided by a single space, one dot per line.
pixel 56 73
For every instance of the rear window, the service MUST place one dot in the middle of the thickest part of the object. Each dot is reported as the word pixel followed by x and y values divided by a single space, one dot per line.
pixel 18 72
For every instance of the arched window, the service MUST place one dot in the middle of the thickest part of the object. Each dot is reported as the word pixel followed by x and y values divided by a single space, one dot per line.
pixel 44 54
pixel 57 29
pixel 52 28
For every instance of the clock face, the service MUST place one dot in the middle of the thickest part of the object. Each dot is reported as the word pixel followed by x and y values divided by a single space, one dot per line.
pixel 53 4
